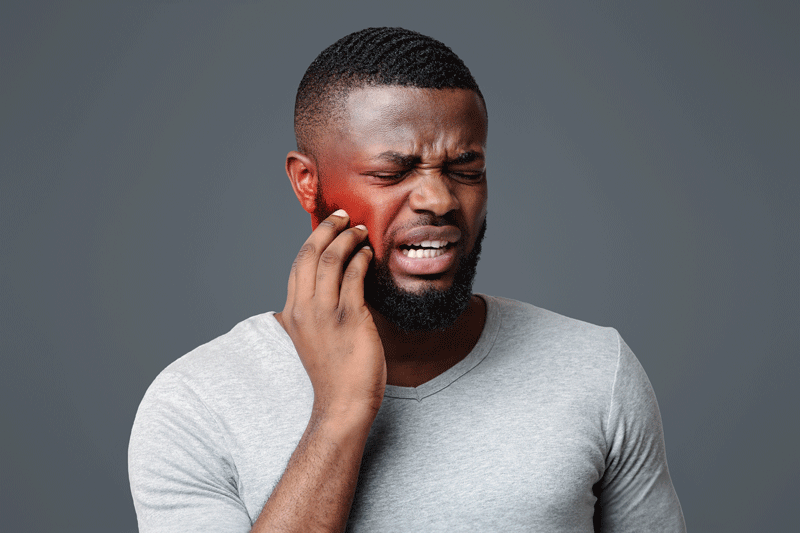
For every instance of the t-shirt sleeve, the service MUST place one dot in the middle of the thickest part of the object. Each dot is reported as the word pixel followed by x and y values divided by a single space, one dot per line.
pixel 636 492
pixel 182 478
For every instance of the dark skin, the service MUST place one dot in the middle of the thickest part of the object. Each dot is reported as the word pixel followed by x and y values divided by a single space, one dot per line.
pixel 399 160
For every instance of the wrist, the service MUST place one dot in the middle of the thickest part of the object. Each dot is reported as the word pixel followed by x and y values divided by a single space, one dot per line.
pixel 349 415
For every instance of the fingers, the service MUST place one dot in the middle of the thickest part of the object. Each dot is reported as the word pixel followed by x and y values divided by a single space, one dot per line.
pixel 352 295
pixel 304 268
pixel 332 263
pixel 318 268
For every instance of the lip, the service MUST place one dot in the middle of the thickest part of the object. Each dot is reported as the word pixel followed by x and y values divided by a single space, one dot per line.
pixel 430 233
pixel 401 264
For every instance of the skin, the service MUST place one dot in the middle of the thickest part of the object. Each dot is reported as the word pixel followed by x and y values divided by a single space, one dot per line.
pixel 402 162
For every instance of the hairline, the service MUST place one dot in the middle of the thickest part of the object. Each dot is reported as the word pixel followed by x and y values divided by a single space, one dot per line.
pixel 335 97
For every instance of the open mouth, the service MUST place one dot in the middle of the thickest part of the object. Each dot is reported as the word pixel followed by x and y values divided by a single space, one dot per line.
pixel 425 249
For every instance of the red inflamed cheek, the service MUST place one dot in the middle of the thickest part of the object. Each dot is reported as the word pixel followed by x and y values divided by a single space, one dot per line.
pixel 359 211
pixel 362 212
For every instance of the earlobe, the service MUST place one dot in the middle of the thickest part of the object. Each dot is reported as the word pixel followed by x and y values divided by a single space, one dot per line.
pixel 302 172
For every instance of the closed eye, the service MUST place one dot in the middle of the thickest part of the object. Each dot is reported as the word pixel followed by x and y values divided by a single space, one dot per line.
pixel 464 176
pixel 390 176
pixel 468 176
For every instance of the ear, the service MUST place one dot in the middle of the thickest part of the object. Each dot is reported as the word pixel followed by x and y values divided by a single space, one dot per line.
pixel 302 172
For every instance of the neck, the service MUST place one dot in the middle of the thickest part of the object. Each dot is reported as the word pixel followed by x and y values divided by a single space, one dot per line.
pixel 414 357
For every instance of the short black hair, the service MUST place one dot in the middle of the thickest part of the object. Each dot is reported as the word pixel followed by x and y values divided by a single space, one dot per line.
pixel 374 56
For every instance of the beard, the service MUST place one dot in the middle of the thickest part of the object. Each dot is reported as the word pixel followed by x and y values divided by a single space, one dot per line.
pixel 431 309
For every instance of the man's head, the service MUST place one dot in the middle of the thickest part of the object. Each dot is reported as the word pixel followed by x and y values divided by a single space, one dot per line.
pixel 371 57
pixel 392 128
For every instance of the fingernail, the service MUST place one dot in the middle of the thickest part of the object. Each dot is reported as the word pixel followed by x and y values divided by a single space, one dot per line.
pixel 340 213
pixel 361 226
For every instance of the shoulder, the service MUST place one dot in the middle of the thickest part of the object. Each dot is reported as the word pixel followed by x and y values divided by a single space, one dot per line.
pixel 239 371
pixel 194 421
pixel 244 344
pixel 550 336
pixel 253 348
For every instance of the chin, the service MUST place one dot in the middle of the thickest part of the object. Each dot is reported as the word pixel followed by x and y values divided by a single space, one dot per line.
pixel 422 285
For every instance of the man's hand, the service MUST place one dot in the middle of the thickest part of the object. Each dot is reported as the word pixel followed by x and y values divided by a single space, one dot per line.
pixel 330 324
pixel 338 343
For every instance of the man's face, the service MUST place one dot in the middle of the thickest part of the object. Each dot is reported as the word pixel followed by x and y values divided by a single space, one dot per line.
pixel 410 165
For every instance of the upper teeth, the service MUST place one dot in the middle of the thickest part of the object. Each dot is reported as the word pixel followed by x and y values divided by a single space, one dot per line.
pixel 425 249
pixel 431 244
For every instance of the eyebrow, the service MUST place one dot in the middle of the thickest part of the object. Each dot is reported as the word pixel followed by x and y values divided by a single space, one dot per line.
pixel 407 160
pixel 403 160
pixel 466 157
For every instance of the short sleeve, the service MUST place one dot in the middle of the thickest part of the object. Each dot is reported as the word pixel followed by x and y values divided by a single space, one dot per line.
pixel 182 478
pixel 636 493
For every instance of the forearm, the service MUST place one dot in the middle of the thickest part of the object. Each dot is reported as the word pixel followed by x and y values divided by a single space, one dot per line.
pixel 317 487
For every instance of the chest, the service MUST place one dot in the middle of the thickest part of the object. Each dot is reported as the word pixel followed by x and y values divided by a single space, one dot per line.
pixel 490 461
pixel 480 465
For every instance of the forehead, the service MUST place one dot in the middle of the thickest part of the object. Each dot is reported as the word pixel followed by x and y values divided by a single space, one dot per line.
pixel 411 120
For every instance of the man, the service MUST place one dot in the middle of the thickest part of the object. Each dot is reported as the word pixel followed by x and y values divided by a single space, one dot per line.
pixel 386 396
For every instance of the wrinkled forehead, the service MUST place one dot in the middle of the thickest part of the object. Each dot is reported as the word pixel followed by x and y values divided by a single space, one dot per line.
pixel 412 120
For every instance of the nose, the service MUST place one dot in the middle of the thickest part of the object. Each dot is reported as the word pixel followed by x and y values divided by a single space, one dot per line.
pixel 433 193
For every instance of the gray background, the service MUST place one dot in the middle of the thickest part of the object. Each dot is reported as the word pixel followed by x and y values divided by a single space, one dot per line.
pixel 643 174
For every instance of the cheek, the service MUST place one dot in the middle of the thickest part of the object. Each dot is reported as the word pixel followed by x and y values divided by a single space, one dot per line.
pixel 369 213
pixel 359 209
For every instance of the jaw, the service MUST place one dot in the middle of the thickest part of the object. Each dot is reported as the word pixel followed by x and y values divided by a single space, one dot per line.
pixel 423 302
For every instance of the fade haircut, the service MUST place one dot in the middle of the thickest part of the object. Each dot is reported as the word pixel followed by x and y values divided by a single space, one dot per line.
pixel 372 57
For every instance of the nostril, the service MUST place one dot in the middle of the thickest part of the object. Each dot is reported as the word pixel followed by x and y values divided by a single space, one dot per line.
pixel 434 195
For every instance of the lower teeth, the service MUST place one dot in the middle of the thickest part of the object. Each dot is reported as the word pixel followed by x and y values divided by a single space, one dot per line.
pixel 419 253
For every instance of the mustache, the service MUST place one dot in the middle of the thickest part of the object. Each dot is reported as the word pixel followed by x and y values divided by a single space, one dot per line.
pixel 431 220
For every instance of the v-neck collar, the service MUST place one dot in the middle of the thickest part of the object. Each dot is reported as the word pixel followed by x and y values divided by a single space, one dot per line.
pixel 479 352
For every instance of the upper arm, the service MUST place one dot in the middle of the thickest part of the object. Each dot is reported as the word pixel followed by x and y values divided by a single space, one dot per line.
pixel 636 492
pixel 182 478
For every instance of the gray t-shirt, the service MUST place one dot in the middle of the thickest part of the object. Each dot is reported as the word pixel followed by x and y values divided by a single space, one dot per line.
pixel 549 424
